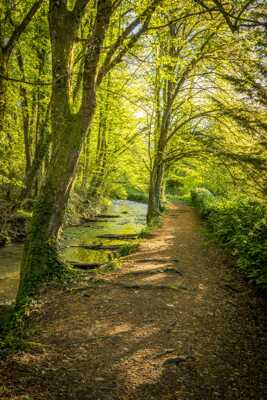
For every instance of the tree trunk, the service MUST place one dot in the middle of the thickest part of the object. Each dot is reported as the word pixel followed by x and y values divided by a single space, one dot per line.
pixel 155 190
pixel 69 130
pixel 157 173
pixel 163 99
pixel 25 117
pixel 41 150
pixel 3 73
pixel 86 162
pixel 102 144
pixel 40 252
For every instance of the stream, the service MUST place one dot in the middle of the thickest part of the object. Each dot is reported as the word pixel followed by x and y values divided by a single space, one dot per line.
pixel 122 217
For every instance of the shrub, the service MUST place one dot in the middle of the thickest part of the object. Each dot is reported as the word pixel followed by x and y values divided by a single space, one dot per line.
pixel 203 199
pixel 128 249
pixel 240 225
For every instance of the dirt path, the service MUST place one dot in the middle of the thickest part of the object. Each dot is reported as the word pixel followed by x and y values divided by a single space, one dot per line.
pixel 176 323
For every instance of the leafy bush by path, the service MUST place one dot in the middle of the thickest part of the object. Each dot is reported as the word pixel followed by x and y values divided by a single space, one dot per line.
pixel 240 226
pixel 203 199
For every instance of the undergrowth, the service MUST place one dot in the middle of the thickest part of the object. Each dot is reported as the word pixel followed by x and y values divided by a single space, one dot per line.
pixel 239 225
pixel 15 321
pixel 128 249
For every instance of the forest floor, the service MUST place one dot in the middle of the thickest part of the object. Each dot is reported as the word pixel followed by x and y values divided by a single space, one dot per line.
pixel 177 322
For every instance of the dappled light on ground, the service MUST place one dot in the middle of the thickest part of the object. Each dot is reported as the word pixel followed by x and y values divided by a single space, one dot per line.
pixel 139 333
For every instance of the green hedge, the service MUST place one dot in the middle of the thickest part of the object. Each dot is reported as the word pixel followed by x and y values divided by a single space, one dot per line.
pixel 240 226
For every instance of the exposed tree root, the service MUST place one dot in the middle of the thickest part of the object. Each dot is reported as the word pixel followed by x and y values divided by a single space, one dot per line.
pixel 94 220
pixel 159 260
pixel 107 216
pixel 117 236
pixel 128 285
pixel 102 283
pixel 99 247
pixel 154 272
pixel 85 266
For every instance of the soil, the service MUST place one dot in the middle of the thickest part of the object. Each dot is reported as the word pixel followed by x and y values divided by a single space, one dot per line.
pixel 176 322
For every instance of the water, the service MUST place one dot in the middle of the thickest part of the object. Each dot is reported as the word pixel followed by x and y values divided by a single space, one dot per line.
pixel 131 219
pixel 10 257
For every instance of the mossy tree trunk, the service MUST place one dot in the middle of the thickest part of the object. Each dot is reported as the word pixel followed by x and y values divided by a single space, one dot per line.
pixel 3 73
pixel 156 180
pixel 69 130
pixel 167 90
pixel 158 166
pixel 25 117
pixel 40 153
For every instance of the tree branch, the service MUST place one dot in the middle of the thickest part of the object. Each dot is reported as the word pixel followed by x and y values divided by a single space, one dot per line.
pixel 22 26
pixel 195 116
pixel 79 8
pixel 108 63
pixel 38 83
pixel 92 56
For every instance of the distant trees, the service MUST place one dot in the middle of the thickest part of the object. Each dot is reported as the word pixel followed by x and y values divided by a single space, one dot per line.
pixel 25 98
pixel 10 33
pixel 191 119
pixel 179 65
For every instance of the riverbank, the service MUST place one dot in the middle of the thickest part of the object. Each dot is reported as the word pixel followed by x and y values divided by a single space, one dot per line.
pixel 81 243
pixel 177 322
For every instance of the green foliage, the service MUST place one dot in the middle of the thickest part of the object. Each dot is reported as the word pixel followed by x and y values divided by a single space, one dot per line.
pixel 136 195
pixel 14 328
pixel 153 224
pixel 128 249
pixel 240 225
pixel 146 232
pixel 203 199
pixel 117 192
pixel 24 214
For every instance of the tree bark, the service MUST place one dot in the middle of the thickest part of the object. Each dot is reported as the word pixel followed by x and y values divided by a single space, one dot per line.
pixel 157 172
pixel 101 152
pixel 155 186
pixel 41 150
pixel 168 89
pixel 25 117
pixel 69 130
pixel 3 73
